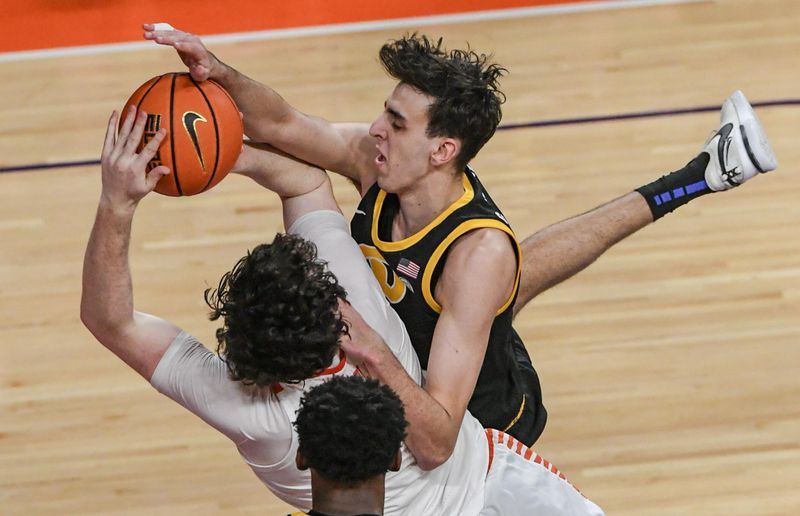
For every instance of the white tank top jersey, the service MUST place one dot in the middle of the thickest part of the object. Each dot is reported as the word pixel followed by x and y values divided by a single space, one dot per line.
pixel 259 421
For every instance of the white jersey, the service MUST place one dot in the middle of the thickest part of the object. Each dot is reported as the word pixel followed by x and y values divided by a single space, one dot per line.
pixel 259 421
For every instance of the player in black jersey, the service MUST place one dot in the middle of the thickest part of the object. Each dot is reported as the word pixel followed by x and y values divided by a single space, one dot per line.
pixel 409 272
pixel 444 108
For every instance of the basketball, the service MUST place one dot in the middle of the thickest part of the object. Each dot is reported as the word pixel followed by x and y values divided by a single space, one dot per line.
pixel 204 131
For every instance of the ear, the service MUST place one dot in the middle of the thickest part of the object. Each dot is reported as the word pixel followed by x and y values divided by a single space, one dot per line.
pixel 445 152
pixel 398 459
pixel 300 461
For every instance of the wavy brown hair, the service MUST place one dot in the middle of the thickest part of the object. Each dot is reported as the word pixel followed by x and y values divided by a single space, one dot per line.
pixel 279 307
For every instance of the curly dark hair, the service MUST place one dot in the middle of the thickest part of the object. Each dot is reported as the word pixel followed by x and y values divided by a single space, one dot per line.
pixel 279 306
pixel 463 83
pixel 350 428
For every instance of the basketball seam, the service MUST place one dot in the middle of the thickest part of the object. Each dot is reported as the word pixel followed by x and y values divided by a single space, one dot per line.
pixel 172 133
pixel 216 133
pixel 139 104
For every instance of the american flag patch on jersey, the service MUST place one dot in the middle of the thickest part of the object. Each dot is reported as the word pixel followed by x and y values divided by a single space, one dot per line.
pixel 408 268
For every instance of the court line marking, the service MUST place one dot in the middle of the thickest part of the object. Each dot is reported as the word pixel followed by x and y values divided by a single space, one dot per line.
pixel 503 127
pixel 343 28
pixel 639 114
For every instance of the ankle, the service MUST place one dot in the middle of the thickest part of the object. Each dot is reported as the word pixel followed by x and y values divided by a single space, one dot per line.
pixel 672 191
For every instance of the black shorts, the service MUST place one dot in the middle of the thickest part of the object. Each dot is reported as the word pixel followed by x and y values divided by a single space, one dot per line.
pixel 533 416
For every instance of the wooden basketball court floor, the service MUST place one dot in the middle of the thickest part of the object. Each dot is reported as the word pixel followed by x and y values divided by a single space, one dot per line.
pixel 670 367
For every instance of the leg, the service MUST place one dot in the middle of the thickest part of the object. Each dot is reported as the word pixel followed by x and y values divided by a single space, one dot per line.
pixel 738 151
pixel 557 252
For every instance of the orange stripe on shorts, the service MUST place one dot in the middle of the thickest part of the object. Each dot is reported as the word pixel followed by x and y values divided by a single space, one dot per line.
pixel 491 449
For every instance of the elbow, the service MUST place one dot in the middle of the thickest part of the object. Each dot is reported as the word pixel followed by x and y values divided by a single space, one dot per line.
pixel 95 321
pixel 91 322
pixel 87 317
pixel 432 459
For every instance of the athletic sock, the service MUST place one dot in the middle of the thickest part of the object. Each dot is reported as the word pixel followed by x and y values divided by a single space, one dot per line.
pixel 669 192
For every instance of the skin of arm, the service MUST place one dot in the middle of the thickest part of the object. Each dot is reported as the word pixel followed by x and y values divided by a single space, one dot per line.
pixel 458 347
pixel 302 188
pixel 139 339
pixel 346 149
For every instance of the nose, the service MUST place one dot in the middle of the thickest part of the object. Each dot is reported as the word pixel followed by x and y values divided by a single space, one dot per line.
pixel 378 127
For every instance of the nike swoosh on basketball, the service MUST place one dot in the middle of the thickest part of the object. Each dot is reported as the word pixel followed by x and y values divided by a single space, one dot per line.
pixel 190 119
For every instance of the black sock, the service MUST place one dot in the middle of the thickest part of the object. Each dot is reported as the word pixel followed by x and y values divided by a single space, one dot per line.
pixel 669 192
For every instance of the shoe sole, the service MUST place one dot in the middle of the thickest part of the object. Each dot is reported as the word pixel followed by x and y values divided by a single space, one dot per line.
pixel 755 139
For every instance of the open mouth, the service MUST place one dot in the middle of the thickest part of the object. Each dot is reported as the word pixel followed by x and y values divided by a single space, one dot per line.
pixel 380 159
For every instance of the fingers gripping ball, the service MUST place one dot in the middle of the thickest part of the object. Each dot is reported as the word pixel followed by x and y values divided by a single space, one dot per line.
pixel 204 131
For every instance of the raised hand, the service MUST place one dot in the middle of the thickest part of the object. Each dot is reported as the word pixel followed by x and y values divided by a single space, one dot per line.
pixel 125 179
pixel 193 53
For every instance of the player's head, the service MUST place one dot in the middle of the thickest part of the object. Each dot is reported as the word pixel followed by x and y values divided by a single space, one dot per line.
pixel 279 306
pixel 350 429
pixel 456 93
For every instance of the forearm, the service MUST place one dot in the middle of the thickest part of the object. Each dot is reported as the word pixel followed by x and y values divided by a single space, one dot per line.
pixel 432 431
pixel 345 149
pixel 285 175
pixel 264 111
pixel 560 251
pixel 107 298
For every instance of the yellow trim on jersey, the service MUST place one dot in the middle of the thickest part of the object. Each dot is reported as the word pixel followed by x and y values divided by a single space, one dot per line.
pixel 469 193
pixel 460 230
pixel 519 415
pixel 383 273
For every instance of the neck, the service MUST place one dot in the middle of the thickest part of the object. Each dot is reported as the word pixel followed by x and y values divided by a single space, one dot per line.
pixel 332 498
pixel 430 197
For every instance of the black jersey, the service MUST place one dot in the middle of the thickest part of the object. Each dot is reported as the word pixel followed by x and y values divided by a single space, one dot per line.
pixel 408 271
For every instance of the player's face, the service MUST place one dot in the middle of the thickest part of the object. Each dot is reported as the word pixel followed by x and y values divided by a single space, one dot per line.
pixel 403 147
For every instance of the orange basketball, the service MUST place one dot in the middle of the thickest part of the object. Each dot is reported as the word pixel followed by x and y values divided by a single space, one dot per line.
pixel 204 131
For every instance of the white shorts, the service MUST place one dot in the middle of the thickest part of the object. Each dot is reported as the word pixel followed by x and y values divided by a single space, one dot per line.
pixel 520 482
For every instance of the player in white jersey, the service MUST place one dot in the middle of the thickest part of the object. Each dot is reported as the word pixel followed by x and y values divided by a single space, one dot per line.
pixel 255 408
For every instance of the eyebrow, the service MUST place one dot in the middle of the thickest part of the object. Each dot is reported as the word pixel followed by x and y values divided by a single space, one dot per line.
pixel 393 112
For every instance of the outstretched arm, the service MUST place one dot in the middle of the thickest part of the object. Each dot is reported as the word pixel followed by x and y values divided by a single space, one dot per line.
pixel 107 310
pixel 565 248
pixel 346 149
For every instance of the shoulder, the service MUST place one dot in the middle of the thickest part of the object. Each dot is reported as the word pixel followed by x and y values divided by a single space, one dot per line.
pixel 186 359
pixel 490 247
pixel 481 263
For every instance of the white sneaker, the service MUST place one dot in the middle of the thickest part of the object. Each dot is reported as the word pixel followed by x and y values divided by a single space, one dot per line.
pixel 739 149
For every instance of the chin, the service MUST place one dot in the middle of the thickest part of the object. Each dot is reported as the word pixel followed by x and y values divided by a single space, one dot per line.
pixel 383 184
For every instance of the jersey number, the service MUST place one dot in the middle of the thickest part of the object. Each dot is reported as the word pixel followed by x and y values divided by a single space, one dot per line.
pixel 394 287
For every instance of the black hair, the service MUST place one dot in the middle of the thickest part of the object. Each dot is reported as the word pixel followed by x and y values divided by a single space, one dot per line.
pixel 279 306
pixel 350 428
pixel 463 83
